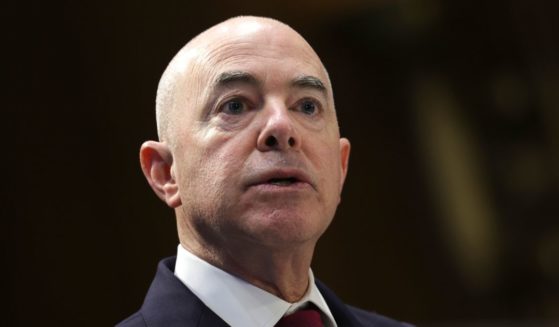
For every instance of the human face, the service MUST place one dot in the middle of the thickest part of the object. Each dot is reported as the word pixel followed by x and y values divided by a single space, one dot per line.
pixel 256 148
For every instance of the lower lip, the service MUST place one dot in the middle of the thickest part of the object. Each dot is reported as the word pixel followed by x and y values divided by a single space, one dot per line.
pixel 293 187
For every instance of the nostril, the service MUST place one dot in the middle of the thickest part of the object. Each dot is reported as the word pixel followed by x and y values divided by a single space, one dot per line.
pixel 291 141
pixel 271 141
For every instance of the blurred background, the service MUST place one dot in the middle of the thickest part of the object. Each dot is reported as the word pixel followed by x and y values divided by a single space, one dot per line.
pixel 450 212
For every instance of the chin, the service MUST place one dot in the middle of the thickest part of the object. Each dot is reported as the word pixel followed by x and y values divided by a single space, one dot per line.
pixel 286 227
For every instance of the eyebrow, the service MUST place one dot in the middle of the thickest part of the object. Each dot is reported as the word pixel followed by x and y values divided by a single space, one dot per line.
pixel 232 77
pixel 228 78
pixel 310 82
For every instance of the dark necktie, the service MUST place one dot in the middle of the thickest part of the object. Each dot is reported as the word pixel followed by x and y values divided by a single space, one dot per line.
pixel 302 318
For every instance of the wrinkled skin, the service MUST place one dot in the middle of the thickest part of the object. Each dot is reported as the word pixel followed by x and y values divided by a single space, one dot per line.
pixel 252 162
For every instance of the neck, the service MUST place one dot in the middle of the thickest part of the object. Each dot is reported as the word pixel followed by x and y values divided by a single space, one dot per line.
pixel 283 271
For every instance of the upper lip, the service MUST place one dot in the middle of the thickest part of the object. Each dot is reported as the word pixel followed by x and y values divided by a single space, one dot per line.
pixel 280 173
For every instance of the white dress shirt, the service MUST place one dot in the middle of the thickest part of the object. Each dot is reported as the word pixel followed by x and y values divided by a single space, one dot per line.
pixel 237 302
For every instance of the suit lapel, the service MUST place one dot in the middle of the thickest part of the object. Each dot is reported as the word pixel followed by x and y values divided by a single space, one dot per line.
pixel 169 303
pixel 344 317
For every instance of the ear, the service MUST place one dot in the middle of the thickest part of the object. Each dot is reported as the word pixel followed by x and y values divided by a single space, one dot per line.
pixel 345 148
pixel 156 160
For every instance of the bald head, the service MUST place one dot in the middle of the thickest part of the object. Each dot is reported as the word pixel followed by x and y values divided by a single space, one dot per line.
pixel 250 155
pixel 186 80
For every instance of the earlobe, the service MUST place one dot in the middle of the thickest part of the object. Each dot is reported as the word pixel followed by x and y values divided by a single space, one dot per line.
pixel 156 160
pixel 345 148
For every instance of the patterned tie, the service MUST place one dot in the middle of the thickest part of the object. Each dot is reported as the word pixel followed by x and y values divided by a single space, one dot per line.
pixel 302 318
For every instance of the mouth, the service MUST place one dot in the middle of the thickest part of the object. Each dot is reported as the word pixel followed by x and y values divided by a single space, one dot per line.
pixel 283 181
pixel 283 178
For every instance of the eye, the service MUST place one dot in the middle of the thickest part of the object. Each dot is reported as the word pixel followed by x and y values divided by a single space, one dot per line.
pixel 234 107
pixel 308 107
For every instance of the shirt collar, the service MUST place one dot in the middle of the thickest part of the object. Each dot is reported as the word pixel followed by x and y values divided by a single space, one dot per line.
pixel 238 302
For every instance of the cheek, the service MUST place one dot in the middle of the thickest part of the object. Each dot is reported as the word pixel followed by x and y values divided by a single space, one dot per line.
pixel 327 155
pixel 326 160
pixel 215 163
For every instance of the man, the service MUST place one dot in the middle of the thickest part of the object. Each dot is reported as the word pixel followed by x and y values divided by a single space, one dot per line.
pixel 250 157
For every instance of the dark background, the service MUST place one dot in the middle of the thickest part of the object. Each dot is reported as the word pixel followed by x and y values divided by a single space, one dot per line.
pixel 450 211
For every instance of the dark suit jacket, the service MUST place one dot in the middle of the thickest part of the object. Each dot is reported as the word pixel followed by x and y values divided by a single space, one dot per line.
pixel 170 303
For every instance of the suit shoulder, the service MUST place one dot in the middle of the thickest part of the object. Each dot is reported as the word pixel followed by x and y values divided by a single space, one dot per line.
pixel 368 318
pixel 135 320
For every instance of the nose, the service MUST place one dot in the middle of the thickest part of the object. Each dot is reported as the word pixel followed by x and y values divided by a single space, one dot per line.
pixel 279 132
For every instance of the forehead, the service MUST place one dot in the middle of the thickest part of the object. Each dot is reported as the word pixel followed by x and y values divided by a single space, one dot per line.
pixel 267 53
